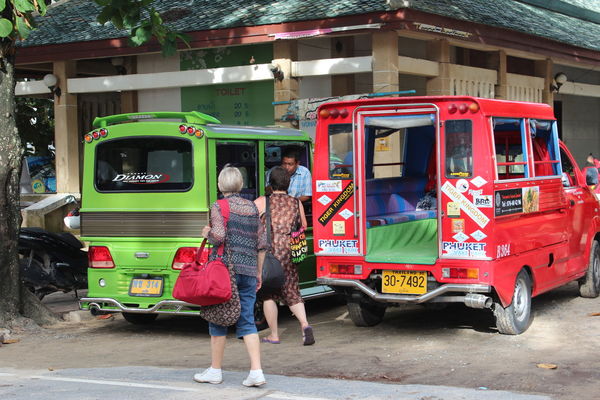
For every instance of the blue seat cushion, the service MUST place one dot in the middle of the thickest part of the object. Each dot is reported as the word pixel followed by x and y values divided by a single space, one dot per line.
pixel 397 218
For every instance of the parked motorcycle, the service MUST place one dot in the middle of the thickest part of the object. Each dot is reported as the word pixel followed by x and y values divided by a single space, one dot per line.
pixel 51 262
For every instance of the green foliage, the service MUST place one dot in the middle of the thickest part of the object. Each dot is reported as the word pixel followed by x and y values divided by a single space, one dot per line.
pixel 2 5
pixel 6 27
pixel 142 21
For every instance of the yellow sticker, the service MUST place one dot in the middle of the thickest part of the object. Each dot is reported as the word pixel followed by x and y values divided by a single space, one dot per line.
pixel 339 228
pixel 453 209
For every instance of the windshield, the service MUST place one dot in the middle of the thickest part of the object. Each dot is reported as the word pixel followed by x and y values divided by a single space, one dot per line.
pixel 144 164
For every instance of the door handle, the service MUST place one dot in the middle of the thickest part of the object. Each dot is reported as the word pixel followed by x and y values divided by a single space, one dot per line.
pixel 571 202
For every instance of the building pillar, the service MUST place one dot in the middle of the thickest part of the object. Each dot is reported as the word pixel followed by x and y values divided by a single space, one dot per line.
pixel 286 89
pixel 66 131
pixel 385 62
pixel 129 98
pixel 439 51
pixel 342 47
pixel 497 61
pixel 543 69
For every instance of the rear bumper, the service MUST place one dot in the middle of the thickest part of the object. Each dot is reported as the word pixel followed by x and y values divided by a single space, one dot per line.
pixel 107 305
pixel 449 292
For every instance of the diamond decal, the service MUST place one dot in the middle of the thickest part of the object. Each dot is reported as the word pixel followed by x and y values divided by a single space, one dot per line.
pixel 345 213
pixel 478 181
pixel 324 200
pixel 478 235
pixel 460 237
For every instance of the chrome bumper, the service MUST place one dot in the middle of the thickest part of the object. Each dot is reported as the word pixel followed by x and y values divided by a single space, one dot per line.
pixel 434 295
pixel 94 304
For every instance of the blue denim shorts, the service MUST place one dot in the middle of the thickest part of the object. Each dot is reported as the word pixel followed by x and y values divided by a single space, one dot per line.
pixel 245 325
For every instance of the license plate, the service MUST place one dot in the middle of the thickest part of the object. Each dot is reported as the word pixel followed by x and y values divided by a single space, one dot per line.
pixel 404 282
pixel 152 287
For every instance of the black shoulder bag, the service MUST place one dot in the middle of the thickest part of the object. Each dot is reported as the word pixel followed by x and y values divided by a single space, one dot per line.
pixel 273 275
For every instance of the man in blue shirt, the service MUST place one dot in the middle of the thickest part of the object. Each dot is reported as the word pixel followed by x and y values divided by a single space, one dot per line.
pixel 300 178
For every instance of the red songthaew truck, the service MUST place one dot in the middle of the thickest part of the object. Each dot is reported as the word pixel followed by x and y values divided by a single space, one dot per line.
pixel 449 199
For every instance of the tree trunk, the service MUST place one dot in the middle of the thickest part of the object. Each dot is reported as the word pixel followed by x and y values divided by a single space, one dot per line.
pixel 14 302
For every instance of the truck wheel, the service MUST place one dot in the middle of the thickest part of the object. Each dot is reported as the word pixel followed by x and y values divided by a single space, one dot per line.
pixel 589 285
pixel 365 314
pixel 139 319
pixel 516 318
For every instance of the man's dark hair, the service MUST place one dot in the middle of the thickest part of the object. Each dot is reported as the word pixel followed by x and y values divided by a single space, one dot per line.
pixel 279 179
pixel 291 153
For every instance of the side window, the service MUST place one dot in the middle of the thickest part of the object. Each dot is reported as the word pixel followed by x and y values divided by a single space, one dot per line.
pixel 544 140
pixel 459 149
pixel 511 148
pixel 569 178
pixel 243 156
pixel 340 151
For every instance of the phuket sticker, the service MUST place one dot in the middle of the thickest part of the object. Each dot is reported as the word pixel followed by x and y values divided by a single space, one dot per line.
pixel 462 185
pixel 324 199
pixel 478 181
pixel 329 186
pixel 335 246
pixel 465 204
pixel 337 204
pixel 464 249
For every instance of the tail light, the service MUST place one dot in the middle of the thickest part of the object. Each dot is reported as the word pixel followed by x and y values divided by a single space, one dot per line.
pixel 460 273
pixel 349 269
pixel 100 257
pixel 184 255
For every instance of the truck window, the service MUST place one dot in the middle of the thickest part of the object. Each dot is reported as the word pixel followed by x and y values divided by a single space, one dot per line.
pixel 144 164
pixel 545 148
pixel 568 170
pixel 511 148
pixel 459 149
pixel 340 151
pixel 241 155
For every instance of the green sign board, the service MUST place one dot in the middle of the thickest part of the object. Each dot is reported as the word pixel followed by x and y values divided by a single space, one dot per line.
pixel 244 103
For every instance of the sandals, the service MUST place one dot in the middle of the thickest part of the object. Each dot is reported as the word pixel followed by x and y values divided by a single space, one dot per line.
pixel 308 337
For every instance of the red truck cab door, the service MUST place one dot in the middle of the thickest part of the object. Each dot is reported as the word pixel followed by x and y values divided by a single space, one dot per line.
pixel 580 206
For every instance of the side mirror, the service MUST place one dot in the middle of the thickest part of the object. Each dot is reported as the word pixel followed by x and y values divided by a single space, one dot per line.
pixel 566 181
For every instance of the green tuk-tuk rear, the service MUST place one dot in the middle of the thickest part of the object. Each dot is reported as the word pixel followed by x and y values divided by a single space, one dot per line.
pixel 148 182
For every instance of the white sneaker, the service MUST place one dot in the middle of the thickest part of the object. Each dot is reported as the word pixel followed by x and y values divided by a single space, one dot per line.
pixel 210 375
pixel 255 378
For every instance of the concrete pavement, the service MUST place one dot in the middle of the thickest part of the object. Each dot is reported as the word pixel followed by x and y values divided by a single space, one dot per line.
pixel 150 383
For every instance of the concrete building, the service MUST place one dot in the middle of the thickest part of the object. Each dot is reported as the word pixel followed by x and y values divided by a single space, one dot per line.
pixel 529 50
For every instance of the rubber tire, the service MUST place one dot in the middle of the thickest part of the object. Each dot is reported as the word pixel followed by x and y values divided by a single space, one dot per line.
pixel 364 314
pixel 589 285
pixel 139 319
pixel 516 318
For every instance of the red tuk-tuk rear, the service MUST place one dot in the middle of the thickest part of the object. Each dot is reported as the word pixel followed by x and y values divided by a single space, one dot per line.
pixel 421 200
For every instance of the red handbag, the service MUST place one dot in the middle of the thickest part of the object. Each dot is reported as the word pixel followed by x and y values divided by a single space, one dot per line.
pixel 205 283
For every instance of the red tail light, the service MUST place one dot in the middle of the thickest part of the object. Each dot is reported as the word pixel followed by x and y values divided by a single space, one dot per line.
pixel 350 269
pixel 184 256
pixel 460 273
pixel 100 257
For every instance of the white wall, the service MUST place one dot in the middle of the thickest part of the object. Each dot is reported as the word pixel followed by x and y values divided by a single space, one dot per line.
pixel 314 49
pixel 158 99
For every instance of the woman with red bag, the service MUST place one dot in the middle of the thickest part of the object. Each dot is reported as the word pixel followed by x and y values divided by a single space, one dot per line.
pixel 243 237
pixel 285 212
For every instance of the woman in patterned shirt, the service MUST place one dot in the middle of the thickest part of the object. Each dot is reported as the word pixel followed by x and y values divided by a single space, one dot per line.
pixel 244 238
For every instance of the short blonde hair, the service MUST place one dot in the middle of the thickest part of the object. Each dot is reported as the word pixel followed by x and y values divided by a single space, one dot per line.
pixel 230 180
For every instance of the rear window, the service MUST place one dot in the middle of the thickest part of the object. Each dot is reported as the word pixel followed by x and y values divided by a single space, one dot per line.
pixel 144 164
pixel 459 149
